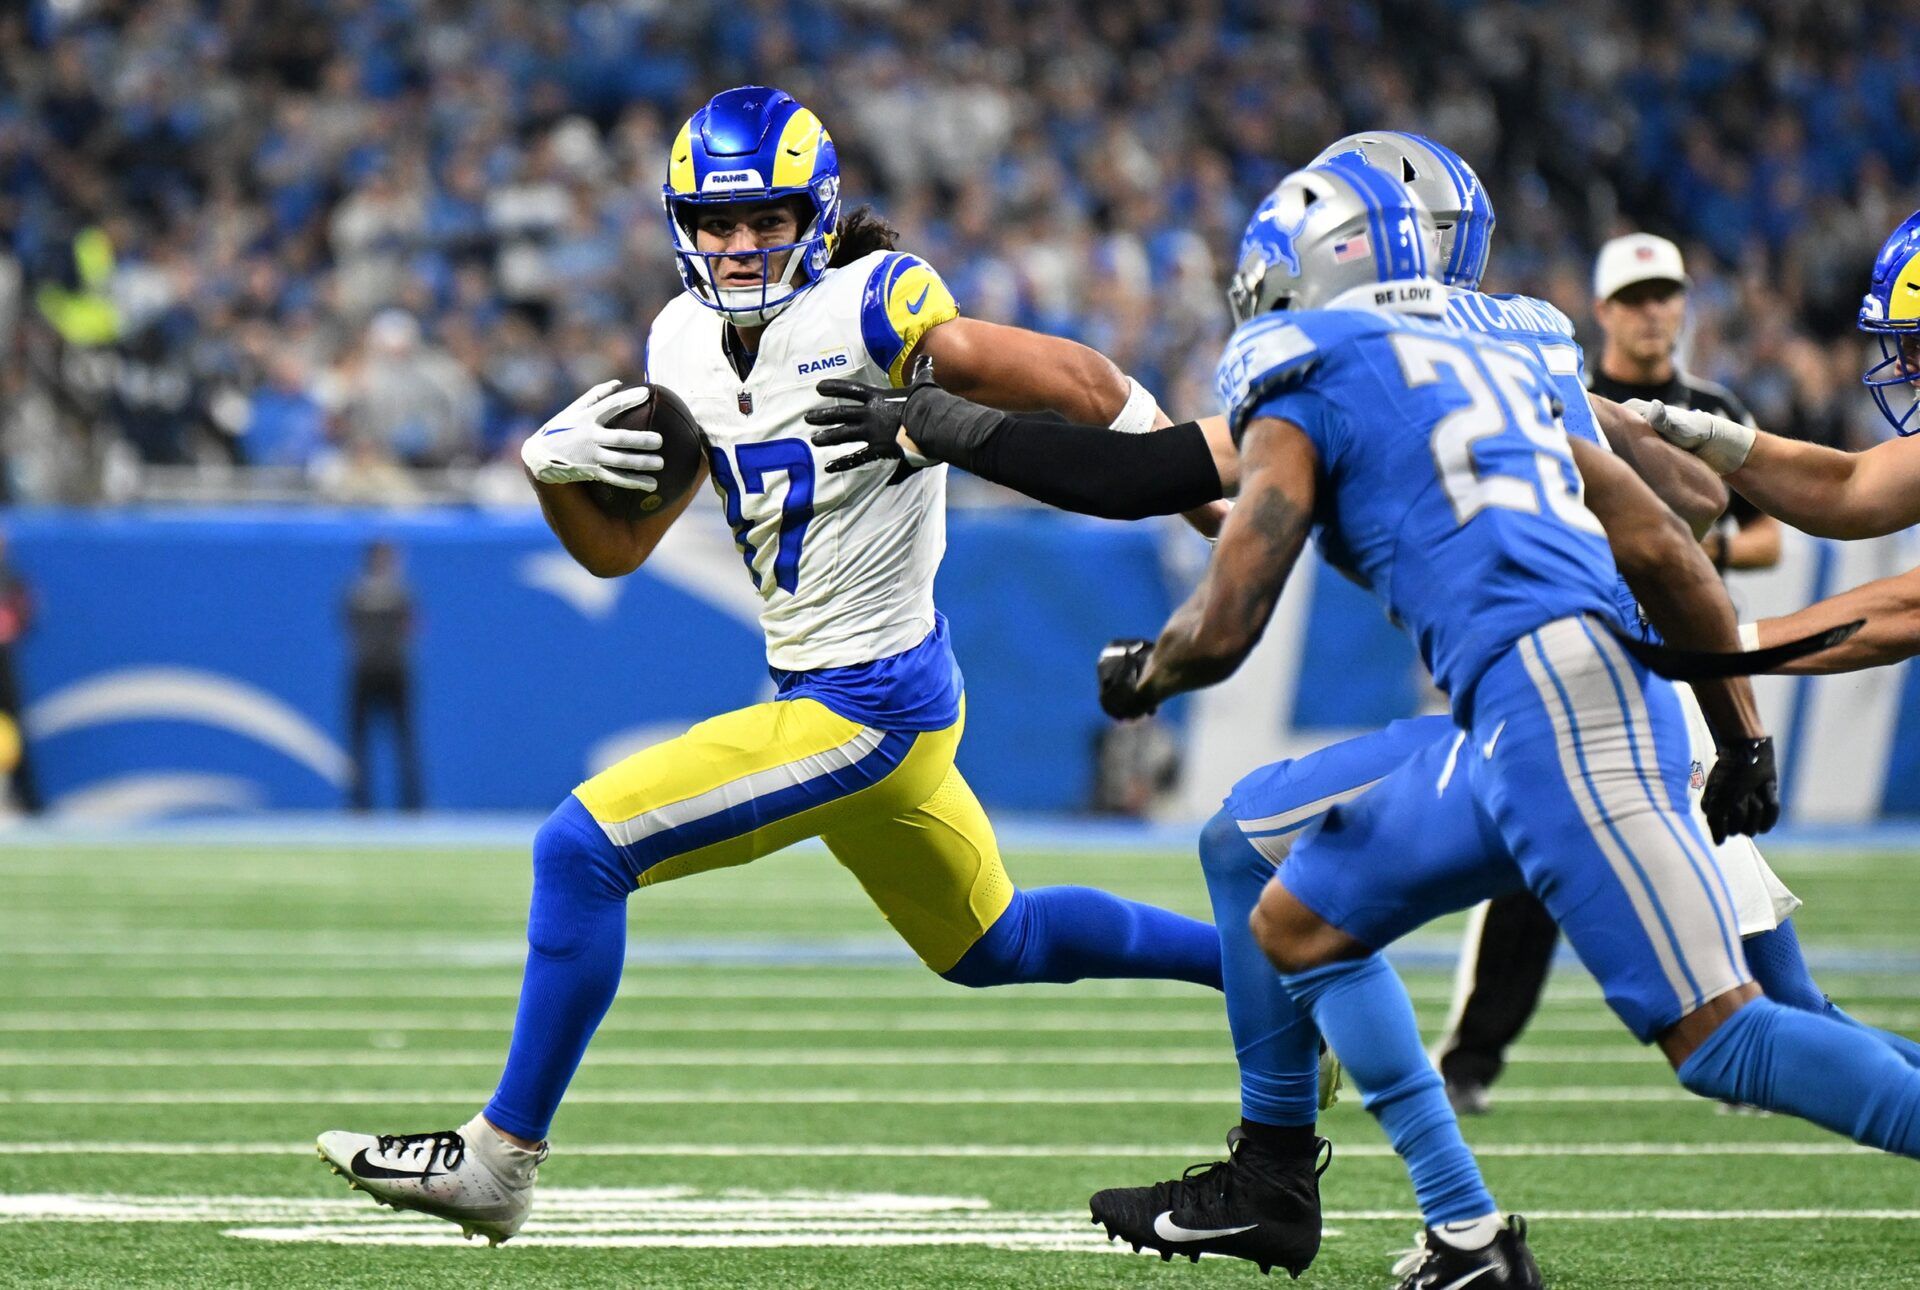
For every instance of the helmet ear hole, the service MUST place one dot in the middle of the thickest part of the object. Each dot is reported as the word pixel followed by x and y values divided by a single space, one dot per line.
pixel 1407 173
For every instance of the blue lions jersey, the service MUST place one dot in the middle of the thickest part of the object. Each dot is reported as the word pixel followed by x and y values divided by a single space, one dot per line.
pixel 1446 485
pixel 1547 334
pixel 1542 331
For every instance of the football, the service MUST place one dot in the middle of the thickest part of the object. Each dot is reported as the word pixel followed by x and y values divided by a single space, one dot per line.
pixel 682 445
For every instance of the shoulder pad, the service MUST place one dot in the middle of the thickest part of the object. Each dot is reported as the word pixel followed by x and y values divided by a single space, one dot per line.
pixel 675 320
pixel 1562 323
pixel 902 300
pixel 1533 312
pixel 1271 354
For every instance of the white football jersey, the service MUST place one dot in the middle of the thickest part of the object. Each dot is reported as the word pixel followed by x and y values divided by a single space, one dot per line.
pixel 844 563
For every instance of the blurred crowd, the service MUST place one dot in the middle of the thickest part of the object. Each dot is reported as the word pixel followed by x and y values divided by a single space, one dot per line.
pixel 371 243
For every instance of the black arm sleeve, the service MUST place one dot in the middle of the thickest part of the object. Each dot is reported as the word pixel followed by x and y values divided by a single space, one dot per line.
pixel 1090 470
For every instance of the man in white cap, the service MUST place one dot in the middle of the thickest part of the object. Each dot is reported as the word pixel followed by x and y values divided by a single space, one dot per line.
pixel 1640 300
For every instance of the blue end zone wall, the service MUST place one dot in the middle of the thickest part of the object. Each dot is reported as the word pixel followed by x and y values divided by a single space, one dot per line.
pixel 195 661
pixel 183 660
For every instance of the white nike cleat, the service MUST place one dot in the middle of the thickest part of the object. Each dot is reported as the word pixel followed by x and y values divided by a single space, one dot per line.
pixel 471 1175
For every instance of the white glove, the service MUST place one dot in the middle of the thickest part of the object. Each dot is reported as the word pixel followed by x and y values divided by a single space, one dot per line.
pixel 576 445
pixel 1721 443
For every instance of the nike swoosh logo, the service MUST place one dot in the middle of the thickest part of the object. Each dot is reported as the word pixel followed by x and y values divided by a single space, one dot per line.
pixel 1486 754
pixel 364 1168
pixel 1468 1279
pixel 920 299
pixel 1167 1230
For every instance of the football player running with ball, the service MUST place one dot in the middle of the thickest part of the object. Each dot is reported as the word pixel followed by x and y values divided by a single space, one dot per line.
pixel 858 746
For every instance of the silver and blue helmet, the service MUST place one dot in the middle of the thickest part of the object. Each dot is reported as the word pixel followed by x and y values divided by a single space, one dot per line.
pixel 1443 180
pixel 753 144
pixel 1890 312
pixel 1327 230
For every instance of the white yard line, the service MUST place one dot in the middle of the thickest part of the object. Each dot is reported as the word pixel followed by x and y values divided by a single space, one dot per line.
pixel 670 1056
pixel 684 946
pixel 668 1217
pixel 817 983
pixel 973 1151
pixel 916 988
pixel 1088 1019
pixel 764 1097
pixel 1661 1215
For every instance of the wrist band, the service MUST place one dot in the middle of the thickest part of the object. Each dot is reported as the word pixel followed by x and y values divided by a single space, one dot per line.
pixel 947 427
pixel 1139 412
pixel 1749 636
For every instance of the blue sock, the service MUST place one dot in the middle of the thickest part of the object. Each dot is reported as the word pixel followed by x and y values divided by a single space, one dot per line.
pixel 1364 1012
pixel 1062 934
pixel 1778 965
pixel 1814 1067
pixel 1278 1048
pixel 1780 969
pixel 576 946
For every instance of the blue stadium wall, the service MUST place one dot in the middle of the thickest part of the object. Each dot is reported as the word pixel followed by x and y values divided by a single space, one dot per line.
pixel 196 661
pixel 184 661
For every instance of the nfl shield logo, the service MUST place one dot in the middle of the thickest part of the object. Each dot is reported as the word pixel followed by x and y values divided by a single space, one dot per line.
pixel 1698 779
pixel 746 403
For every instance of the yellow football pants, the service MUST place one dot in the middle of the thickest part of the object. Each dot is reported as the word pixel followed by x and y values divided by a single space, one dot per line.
pixel 890 805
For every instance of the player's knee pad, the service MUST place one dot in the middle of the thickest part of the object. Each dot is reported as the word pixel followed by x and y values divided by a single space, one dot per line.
pixel 577 874
pixel 1225 851
pixel 999 956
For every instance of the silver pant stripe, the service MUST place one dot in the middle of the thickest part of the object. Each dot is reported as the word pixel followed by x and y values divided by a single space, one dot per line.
pixel 738 792
pixel 1705 870
pixel 1591 810
pixel 1276 846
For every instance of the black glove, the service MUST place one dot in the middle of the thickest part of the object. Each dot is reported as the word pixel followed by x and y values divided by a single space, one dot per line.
pixel 1121 664
pixel 1743 792
pixel 873 418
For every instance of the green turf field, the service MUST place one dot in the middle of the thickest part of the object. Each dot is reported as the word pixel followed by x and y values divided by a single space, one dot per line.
pixel 778 1100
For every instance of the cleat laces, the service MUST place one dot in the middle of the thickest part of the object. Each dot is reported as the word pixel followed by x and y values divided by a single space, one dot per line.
pixel 1204 1189
pixel 1207 1188
pixel 445 1148
pixel 1411 1260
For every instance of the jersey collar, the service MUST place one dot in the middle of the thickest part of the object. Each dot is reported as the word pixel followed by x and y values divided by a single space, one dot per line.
pixel 1423 296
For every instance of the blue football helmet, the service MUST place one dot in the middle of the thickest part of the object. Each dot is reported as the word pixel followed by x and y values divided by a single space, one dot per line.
pixel 1443 180
pixel 1891 313
pixel 749 145
pixel 1329 230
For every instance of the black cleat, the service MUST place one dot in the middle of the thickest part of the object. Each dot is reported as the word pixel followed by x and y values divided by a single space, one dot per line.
pixel 1432 1264
pixel 1468 1097
pixel 1253 1205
